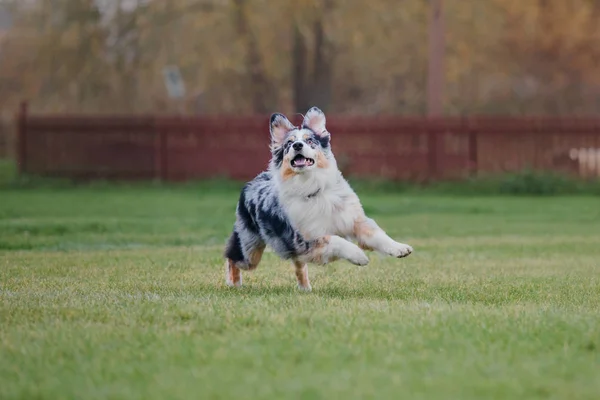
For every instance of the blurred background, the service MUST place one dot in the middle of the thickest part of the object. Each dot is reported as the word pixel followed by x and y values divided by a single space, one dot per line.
pixel 252 56
pixel 409 58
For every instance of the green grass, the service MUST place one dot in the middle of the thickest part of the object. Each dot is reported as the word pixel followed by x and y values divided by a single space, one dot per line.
pixel 117 292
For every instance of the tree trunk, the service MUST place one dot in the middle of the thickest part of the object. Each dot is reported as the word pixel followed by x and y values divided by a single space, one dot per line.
pixel 299 80
pixel 312 84
pixel 260 88
pixel 323 64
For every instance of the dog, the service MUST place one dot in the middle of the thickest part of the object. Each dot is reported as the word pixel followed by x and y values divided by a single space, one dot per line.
pixel 302 208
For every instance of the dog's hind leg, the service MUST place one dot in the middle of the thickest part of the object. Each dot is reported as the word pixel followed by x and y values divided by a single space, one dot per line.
pixel 302 276
pixel 233 275
pixel 371 237
pixel 241 254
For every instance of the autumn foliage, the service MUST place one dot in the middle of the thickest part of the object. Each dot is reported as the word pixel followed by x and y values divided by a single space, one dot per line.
pixel 254 56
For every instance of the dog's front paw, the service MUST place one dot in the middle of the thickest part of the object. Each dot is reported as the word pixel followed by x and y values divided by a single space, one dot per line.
pixel 400 250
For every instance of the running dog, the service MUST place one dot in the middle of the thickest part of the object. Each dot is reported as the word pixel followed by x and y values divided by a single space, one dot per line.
pixel 302 207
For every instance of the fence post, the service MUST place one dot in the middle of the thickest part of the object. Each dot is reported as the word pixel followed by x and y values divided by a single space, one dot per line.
pixel 473 168
pixel 160 153
pixel 432 148
pixel 22 138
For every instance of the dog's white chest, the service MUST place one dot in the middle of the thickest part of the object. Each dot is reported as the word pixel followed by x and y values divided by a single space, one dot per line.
pixel 324 214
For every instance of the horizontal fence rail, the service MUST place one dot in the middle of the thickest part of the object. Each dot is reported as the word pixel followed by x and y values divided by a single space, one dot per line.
pixel 398 148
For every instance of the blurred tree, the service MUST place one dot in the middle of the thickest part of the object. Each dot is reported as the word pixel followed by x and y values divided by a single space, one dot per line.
pixel 261 90
pixel 312 56
pixel 60 43
pixel 553 47
pixel 249 56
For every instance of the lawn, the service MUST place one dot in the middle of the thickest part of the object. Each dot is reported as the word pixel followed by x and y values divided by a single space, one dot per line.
pixel 118 293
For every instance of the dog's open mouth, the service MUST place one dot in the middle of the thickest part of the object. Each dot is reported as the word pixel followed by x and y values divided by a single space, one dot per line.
pixel 300 161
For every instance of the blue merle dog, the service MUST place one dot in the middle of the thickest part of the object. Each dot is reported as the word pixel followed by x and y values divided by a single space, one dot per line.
pixel 302 207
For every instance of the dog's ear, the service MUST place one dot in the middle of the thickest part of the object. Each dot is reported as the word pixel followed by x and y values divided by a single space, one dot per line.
pixel 315 121
pixel 280 126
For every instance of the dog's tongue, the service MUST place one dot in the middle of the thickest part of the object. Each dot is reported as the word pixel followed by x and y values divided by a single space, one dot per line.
pixel 300 161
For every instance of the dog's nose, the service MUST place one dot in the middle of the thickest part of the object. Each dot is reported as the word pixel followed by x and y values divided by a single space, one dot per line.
pixel 297 146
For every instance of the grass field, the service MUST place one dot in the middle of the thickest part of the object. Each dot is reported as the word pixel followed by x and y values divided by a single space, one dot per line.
pixel 118 293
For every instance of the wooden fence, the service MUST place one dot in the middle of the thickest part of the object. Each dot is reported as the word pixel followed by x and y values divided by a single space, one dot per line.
pixel 416 149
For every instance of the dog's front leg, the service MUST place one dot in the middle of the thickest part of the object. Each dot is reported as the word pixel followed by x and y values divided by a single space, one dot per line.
pixel 330 248
pixel 371 237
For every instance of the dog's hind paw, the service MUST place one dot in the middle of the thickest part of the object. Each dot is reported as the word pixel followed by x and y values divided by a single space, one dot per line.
pixel 305 288
pixel 233 275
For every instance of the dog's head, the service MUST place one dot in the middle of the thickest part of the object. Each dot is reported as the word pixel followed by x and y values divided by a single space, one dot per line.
pixel 303 149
